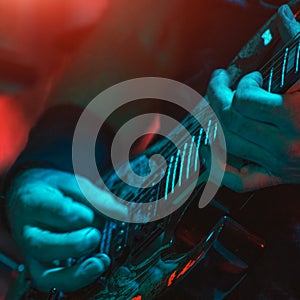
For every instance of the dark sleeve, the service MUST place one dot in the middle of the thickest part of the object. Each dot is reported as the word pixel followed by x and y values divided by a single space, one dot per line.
pixel 50 143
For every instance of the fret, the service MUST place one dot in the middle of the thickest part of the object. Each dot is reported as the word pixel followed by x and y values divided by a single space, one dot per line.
pixel 270 79
pixel 152 206
pixel 106 236
pixel 278 72
pixel 197 149
pixel 158 192
pixel 278 75
pixel 207 132
pixel 284 66
pixel 187 174
pixel 291 59
pixel 215 130
pixel 168 178
pixel 181 165
pixel 103 239
pixel 175 170
pixel 111 227
pixel 281 71
pixel 297 58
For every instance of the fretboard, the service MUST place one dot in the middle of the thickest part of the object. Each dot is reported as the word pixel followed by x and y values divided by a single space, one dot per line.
pixel 279 74
pixel 283 70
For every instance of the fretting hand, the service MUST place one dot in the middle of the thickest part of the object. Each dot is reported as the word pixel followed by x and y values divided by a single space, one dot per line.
pixel 261 128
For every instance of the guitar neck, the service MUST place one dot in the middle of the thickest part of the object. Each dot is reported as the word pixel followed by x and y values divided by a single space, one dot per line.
pixel 280 72
pixel 283 70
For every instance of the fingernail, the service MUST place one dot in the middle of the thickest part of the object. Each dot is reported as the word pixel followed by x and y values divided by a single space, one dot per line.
pixel 286 12
pixel 95 265
pixel 105 259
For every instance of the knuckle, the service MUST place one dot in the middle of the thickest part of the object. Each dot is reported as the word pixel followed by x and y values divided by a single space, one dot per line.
pixel 240 95
pixel 66 210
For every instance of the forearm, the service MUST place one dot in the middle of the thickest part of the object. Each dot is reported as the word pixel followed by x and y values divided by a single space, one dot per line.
pixel 50 143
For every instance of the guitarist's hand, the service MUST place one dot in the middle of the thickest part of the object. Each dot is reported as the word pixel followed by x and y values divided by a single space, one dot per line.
pixel 260 127
pixel 52 221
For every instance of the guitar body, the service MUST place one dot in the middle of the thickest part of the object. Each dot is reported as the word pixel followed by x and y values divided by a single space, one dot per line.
pixel 149 258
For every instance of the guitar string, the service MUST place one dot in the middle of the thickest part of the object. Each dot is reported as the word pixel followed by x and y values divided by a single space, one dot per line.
pixel 144 272
pixel 294 44
pixel 277 70
pixel 146 192
pixel 275 65
pixel 169 151
pixel 265 74
pixel 278 54
pixel 265 70
pixel 166 146
pixel 197 127
pixel 293 57
pixel 277 73
pixel 194 127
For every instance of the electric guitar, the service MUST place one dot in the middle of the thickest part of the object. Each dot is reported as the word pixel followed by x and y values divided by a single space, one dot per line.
pixel 150 257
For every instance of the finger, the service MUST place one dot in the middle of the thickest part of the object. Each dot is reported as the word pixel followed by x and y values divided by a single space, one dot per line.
pixel 265 135
pixel 48 246
pixel 219 92
pixel 248 178
pixel 250 151
pixel 287 24
pixel 50 209
pixel 254 102
pixel 103 201
pixel 71 278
